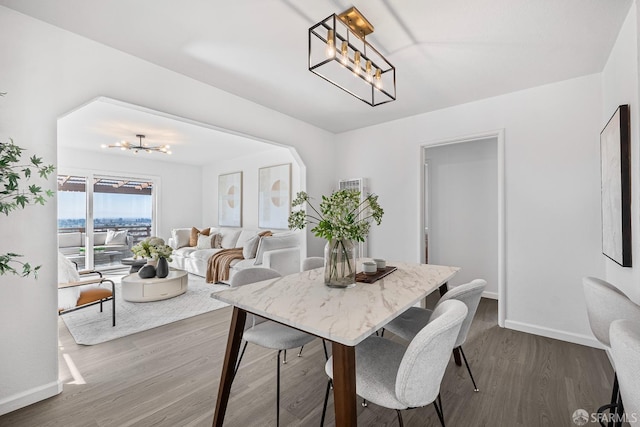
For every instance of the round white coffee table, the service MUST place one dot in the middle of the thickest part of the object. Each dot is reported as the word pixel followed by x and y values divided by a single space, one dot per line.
pixel 136 289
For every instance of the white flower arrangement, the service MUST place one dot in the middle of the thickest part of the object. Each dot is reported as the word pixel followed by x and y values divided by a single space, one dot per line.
pixel 152 248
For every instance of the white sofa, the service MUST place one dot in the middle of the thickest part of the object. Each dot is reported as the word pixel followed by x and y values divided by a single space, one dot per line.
pixel 280 252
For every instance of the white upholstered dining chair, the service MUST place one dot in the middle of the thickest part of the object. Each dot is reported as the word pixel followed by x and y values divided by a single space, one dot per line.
pixel 409 323
pixel 625 350
pixel 398 377
pixel 606 303
pixel 267 333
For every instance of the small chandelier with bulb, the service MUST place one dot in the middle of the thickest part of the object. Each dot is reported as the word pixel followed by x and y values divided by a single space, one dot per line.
pixel 339 53
pixel 125 145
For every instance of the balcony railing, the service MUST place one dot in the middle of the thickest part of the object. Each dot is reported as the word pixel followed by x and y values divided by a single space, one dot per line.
pixel 137 232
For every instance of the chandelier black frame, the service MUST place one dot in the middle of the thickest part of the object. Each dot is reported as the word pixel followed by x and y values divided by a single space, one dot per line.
pixel 125 145
pixel 340 39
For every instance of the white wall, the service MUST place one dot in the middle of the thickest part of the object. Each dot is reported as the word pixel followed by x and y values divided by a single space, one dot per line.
pixel 620 86
pixel 463 210
pixel 249 166
pixel 48 72
pixel 552 192
pixel 179 200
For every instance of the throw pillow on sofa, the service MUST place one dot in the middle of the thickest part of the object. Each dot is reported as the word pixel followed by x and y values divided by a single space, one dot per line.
pixel 116 237
pixel 193 238
pixel 278 241
pixel 180 237
pixel 229 237
pixel 216 241
pixel 251 246
pixel 204 241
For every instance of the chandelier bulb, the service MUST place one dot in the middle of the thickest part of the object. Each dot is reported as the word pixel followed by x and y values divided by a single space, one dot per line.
pixel 330 51
pixel 344 53
pixel 356 63
pixel 378 79
pixel 368 75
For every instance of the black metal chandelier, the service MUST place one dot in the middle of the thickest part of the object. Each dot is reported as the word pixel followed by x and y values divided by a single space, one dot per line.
pixel 339 53
pixel 125 145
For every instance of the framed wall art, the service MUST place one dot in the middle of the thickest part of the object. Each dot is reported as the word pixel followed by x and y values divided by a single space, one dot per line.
pixel 616 187
pixel 274 196
pixel 230 200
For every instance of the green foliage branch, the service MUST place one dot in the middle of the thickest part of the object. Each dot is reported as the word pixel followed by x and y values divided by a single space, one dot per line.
pixel 15 194
pixel 342 215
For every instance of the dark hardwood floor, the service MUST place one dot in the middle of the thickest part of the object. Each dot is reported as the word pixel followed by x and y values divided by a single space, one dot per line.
pixel 168 376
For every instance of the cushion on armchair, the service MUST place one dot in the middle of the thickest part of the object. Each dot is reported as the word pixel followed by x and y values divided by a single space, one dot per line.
pixel 67 297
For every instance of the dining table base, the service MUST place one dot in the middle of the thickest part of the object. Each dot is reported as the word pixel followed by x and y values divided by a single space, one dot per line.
pixel 238 319
pixel 344 373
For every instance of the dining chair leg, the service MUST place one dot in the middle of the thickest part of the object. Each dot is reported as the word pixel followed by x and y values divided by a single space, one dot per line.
pixel 614 392
pixel 278 390
pixel 475 387
pixel 439 412
pixel 364 403
pixel 619 411
pixel 101 305
pixel 326 400
pixel 324 347
pixel 300 352
pixel 284 360
pixel 399 418
pixel 612 408
pixel 615 399
pixel 244 347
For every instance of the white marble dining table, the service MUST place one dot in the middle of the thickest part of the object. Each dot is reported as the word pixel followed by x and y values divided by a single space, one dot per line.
pixel 345 317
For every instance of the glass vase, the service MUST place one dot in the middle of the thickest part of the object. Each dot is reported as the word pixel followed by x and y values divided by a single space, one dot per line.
pixel 340 263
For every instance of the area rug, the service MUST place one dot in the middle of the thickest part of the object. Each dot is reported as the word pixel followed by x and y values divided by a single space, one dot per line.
pixel 88 326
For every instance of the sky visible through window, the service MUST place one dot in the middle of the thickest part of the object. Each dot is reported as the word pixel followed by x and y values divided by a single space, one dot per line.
pixel 112 207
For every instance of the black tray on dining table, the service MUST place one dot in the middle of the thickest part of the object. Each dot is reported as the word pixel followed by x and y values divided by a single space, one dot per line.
pixel 379 274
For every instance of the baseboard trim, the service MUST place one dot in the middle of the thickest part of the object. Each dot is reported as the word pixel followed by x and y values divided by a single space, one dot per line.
pixel 490 295
pixel 553 333
pixel 28 397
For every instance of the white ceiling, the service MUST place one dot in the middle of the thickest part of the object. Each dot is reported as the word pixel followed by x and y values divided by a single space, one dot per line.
pixel 446 52
pixel 107 121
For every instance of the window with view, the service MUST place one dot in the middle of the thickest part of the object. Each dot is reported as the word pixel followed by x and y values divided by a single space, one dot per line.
pixel 120 215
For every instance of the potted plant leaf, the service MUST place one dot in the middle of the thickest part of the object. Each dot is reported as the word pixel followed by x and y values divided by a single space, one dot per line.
pixel 17 191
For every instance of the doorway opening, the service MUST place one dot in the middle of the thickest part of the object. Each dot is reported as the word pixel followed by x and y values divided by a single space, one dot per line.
pixel 462 221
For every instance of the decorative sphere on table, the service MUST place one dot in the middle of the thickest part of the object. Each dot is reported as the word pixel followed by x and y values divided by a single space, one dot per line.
pixel 147 272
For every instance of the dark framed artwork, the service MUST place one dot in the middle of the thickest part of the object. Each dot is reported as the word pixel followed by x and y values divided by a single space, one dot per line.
pixel 616 187
pixel 230 200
